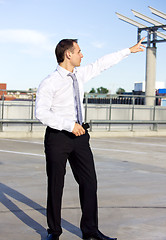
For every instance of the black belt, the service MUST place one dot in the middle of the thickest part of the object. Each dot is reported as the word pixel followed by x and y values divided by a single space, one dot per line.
pixel 84 125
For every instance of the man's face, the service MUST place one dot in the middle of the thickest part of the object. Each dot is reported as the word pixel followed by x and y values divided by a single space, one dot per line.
pixel 76 56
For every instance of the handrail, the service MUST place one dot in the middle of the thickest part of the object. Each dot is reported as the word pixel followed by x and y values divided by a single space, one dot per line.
pixel 91 123
pixel 154 122
pixel 18 121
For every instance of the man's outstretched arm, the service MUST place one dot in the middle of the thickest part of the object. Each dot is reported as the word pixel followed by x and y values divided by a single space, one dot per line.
pixel 94 69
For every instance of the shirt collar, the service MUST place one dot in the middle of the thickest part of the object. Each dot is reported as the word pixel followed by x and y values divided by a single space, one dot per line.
pixel 63 72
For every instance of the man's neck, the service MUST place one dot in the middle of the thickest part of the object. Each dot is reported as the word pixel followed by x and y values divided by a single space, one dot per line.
pixel 67 66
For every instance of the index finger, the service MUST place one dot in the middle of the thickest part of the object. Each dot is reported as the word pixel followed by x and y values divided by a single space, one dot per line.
pixel 142 40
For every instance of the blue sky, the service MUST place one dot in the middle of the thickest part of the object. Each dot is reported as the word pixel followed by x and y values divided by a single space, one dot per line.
pixel 30 30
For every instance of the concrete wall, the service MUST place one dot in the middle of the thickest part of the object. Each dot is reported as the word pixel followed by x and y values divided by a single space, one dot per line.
pixel 23 110
pixel 125 112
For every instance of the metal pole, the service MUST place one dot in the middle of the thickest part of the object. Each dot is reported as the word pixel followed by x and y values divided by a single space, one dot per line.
pixel 132 117
pixel 154 116
pixel 3 99
pixel 139 35
pixel 110 113
pixel 86 108
pixel 90 126
pixel 150 75
pixel 148 37
pixel 154 38
pixel 32 113
pixel 2 116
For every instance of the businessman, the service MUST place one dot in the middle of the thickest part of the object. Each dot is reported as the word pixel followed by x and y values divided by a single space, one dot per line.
pixel 59 106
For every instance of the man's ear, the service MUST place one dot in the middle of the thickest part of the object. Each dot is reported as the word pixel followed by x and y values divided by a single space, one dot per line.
pixel 68 54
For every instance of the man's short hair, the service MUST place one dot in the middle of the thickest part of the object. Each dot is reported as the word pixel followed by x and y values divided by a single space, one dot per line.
pixel 62 46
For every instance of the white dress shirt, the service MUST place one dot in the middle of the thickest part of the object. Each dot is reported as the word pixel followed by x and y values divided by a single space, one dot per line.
pixel 55 105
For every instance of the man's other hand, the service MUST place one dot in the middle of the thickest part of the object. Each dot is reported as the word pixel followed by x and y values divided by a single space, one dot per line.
pixel 78 130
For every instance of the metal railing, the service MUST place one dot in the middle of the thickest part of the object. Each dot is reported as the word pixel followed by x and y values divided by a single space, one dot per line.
pixel 11 98
pixel 154 123
pixel 20 111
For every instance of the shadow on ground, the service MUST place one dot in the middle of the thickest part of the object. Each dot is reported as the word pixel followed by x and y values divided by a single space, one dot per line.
pixel 20 214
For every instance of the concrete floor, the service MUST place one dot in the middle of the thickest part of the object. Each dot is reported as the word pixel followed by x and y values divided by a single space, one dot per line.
pixel 131 189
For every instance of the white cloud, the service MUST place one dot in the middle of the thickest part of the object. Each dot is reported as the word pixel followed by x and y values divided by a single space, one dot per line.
pixel 22 36
pixel 98 44
pixel 30 38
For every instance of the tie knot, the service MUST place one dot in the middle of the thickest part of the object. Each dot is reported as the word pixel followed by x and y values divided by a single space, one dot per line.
pixel 72 75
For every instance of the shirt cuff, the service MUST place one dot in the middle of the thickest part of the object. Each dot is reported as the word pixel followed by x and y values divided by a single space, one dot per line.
pixel 126 51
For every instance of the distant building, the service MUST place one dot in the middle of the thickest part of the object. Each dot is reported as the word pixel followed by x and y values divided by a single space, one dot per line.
pixel 9 95
pixel 3 87
pixel 140 86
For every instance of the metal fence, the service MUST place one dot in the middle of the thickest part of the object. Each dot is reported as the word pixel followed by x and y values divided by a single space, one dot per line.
pixel 101 112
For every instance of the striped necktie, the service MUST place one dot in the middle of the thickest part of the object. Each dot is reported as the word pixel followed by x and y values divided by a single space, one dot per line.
pixel 77 97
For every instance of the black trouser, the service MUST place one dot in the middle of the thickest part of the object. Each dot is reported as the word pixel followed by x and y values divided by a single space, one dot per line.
pixel 60 146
